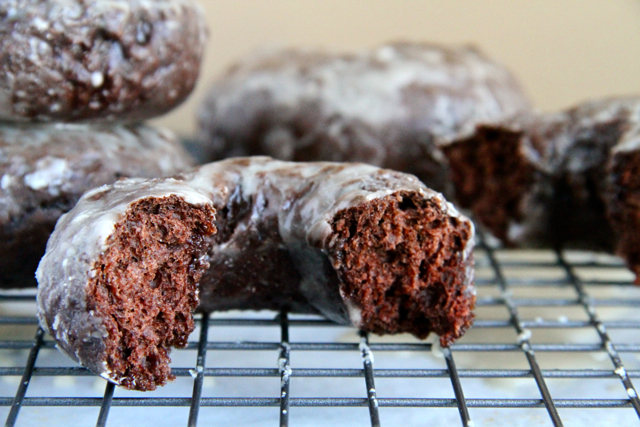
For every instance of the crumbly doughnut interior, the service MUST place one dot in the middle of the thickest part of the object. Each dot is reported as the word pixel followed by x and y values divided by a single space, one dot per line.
pixel 401 262
pixel 491 176
pixel 624 212
pixel 144 287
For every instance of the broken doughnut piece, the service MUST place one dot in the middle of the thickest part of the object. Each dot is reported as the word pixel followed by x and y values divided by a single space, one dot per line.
pixel 358 244
pixel 567 179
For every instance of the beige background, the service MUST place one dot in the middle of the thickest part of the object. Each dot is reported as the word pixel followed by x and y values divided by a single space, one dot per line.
pixel 563 51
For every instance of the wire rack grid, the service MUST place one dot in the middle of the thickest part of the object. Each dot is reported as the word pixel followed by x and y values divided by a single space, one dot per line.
pixel 555 343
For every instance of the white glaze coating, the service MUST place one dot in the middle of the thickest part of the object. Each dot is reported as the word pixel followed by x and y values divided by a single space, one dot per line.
pixel 459 86
pixel 561 131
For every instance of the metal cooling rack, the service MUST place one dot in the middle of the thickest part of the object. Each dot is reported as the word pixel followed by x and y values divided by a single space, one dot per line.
pixel 549 309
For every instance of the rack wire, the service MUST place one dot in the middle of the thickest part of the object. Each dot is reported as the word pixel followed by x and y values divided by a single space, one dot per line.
pixel 569 316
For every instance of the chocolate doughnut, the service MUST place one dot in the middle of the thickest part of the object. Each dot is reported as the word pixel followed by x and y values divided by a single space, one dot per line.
pixel 44 169
pixel 566 179
pixel 390 107
pixel 72 60
pixel 361 245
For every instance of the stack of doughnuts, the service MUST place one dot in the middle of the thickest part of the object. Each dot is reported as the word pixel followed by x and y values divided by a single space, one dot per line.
pixel 76 79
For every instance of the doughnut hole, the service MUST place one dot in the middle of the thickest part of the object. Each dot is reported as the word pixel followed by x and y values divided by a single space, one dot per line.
pixel 491 176
pixel 144 287
pixel 401 259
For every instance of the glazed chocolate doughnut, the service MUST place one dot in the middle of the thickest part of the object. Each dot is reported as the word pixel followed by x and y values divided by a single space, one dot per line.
pixel 358 244
pixel 72 60
pixel 390 107
pixel 567 179
pixel 44 169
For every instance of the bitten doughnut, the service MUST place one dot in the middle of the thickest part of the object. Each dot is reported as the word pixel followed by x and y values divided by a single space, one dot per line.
pixel 391 106
pixel 44 169
pixel 72 60
pixel 361 245
pixel 566 179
